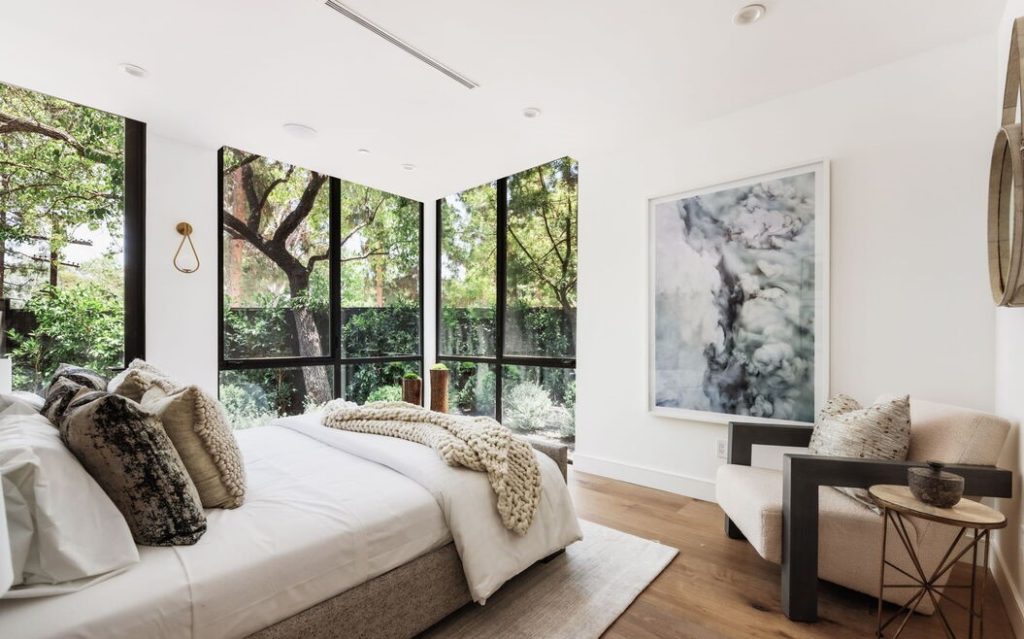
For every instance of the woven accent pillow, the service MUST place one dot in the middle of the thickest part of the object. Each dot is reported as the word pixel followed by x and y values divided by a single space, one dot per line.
pixel 127 452
pixel 879 431
pixel 199 430
pixel 139 377
pixel 59 396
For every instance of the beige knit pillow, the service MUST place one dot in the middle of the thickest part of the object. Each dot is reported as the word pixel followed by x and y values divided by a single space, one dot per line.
pixel 139 377
pixel 880 431
pixel 199 429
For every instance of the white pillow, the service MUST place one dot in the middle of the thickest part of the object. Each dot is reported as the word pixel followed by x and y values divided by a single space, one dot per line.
pixel 24 397
pixel 61 527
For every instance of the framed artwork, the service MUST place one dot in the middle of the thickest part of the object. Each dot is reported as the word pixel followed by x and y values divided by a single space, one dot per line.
pixel 739 299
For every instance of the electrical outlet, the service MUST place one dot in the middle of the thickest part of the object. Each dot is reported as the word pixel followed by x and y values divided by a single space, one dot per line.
pixel 722 450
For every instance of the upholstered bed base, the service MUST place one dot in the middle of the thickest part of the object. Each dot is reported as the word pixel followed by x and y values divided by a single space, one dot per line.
pixel 400 603
pixel 396 605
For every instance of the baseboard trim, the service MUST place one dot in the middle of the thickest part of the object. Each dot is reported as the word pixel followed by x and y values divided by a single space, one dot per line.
pixel 1012 600
pixel 678 483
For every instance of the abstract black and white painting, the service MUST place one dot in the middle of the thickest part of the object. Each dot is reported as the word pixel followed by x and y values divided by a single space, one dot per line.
pixel 739 299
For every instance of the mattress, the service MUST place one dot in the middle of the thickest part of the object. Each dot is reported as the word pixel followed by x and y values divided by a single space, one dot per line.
pixel 316 522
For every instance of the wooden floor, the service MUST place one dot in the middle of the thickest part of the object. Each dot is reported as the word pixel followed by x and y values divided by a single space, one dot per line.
pixel 719 587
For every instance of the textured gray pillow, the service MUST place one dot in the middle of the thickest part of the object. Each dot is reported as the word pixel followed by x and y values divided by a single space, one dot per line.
pixel 60 394
pixel 880 431
pixel 130 456
pixel 88 378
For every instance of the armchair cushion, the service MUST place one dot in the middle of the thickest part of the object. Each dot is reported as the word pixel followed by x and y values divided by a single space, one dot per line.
pixel 849 535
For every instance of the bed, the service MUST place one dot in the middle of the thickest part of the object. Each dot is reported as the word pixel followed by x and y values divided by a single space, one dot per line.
pixel 330 542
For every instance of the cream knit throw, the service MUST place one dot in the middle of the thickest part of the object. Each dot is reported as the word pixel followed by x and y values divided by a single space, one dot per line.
pixel 477 443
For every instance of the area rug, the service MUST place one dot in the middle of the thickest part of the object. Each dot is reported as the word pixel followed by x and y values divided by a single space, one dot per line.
pixel 576 595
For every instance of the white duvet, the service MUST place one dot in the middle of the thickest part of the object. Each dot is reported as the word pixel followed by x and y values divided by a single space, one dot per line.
pixel 490 554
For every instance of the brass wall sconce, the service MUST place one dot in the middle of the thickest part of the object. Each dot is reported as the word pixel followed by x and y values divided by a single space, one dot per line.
pixel 185 230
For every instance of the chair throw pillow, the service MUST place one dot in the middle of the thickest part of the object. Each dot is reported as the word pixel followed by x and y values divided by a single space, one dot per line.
pixel 199 430
pixel 127 452
pixel 879 431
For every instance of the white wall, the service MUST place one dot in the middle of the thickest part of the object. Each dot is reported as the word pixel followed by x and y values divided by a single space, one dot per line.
pixel 1009 398
pixel 181 310
pixel 910 310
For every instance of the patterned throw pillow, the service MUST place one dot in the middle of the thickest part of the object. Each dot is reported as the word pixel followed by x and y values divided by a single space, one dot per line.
pixel 880 431
pixel 60 394
pixel 88 378
pixel 199 430
pixel 130 456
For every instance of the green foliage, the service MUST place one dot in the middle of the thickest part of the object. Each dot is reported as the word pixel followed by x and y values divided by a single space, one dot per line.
pixel 438 367
pixel 61 175
pixel 411 376
pixel 385 394
pixel 81 324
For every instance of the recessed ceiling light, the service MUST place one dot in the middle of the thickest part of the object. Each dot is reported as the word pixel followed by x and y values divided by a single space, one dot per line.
pixel 531 112
pixel 363 151
pixel 749 14
pixel 133 70
pixel 300 131
pixel 409 167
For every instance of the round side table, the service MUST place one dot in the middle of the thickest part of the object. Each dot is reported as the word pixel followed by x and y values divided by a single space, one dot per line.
pixel 897 502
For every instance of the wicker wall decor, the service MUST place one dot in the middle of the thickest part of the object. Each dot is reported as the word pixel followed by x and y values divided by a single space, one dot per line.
pixel 1006 187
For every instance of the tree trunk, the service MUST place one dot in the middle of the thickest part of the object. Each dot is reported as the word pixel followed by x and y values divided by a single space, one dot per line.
pixel 318 386
pixel 236 244
pixel 54 260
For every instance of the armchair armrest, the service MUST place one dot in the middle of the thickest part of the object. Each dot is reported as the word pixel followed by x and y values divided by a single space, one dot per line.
pixel 804 474
pixel 554 450
pixel 743 436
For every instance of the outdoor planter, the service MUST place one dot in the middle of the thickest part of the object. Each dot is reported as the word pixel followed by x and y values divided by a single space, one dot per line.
pixel 412 391
pixel 439 390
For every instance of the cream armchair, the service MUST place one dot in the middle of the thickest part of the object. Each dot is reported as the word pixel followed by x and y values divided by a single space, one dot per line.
pixel 795 518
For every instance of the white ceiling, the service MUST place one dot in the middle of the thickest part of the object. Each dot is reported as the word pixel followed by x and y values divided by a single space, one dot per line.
pixel 233 71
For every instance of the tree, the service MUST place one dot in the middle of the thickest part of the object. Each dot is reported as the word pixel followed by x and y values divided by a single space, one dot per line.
pixel 278 218
pixel 542 229
pixel 61 170
pixel 61 185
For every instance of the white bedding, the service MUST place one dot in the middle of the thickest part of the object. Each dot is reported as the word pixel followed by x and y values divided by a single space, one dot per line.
pixel 490 553
pixel 316 522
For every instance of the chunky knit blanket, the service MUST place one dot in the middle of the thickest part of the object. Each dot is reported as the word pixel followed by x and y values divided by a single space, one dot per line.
pixel 476 443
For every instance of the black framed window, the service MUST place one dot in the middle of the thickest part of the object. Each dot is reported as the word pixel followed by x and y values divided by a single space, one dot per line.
pixel 72 236
pixel 321 292
pixel 506 299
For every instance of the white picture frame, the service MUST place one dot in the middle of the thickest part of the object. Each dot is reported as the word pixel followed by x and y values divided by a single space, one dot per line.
pixel 821 345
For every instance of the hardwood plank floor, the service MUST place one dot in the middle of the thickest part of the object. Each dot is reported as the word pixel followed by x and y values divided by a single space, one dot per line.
pixel 719 587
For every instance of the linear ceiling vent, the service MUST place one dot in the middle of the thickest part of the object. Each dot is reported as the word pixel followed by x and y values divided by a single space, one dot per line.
pixel 401 44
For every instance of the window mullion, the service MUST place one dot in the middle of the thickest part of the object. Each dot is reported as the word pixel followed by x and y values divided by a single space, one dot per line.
pixel 502 256
pixel 334 315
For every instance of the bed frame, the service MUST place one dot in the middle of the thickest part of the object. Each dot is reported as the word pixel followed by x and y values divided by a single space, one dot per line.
pixel 400 603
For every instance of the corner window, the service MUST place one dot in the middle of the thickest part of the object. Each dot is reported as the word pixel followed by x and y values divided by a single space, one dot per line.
pixel 72 225
pixel 321 289
pixel 507 271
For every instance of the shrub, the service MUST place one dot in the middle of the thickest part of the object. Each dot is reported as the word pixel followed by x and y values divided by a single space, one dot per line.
pixel 528 408
pixel 385 394
pixel 82 324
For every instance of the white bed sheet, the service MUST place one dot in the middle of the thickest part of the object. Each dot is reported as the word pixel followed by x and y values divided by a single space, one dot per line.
pixel 316 522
